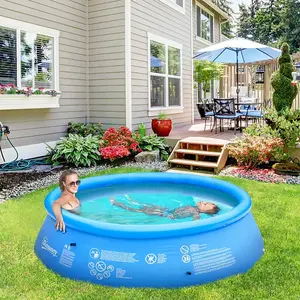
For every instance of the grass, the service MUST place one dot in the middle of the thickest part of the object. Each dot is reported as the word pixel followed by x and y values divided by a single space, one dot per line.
pixel 276 276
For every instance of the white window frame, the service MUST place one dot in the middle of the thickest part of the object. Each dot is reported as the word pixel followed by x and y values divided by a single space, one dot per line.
pixel 172 3
pixel 152 111
pixel 199 38
pixel 23 26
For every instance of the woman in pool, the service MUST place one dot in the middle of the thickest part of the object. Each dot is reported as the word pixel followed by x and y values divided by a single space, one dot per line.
pixel 68 183
pixel 178 213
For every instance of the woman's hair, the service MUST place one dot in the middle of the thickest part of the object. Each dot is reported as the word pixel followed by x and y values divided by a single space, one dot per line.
pixel 64 176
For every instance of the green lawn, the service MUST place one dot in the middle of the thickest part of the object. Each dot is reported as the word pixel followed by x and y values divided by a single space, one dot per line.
pixel 276 209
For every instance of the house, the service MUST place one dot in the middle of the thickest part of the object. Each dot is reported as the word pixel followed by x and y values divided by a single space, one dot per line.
pixel 115 62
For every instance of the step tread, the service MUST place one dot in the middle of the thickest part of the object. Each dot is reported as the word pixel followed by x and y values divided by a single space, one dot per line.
pixel 204 141
pixel 194 163
pixel 199 152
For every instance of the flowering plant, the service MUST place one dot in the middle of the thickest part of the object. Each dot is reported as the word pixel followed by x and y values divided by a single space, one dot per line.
pixel 11 89
pixel 114 152
pixel 251 151
pixel 118 143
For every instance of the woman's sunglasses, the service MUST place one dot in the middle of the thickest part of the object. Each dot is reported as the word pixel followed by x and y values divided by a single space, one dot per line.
pixel 73 183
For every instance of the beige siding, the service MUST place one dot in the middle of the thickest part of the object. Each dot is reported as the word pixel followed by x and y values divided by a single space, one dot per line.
pixel 107 62
pixel 69 17
pixel 198 44
pixel 155 17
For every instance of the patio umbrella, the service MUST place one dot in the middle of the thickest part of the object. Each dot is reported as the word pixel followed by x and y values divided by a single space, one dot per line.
pixel 237 50
pixel 156 62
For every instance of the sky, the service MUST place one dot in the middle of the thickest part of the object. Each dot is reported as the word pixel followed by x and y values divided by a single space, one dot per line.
pixel 236 3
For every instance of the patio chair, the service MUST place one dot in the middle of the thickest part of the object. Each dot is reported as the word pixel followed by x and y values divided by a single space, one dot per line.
pixel 252 112
pixel 206 111
pixel 225 110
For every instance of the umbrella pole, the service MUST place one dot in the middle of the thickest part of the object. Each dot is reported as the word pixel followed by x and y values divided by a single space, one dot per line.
pixel 237 77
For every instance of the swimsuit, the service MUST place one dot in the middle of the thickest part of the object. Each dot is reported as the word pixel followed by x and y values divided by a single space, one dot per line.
pixel 182 212
pixel 76 210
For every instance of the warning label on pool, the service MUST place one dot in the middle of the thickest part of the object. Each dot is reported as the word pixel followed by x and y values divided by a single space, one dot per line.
pixel 120 273
pixel 67 257
pixel 127 257
pixel 209 260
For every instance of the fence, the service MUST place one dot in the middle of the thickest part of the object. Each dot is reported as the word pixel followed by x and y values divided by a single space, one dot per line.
pixel 262 91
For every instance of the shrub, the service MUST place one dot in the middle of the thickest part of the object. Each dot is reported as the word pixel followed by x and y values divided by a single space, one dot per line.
pixel 84 130
pixel 286 124
pixel 251 151
pixel 76 150
pixel 114 152
pixel 285 91
pixel 114 143
pixel 153 143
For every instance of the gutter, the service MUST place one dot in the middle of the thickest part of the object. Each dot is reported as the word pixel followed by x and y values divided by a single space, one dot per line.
pixel 218 10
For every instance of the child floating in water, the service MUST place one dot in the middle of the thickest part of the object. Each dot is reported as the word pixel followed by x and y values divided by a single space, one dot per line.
pixel 178 213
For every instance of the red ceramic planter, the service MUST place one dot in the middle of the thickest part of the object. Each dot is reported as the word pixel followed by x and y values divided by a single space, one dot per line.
pixel 162 127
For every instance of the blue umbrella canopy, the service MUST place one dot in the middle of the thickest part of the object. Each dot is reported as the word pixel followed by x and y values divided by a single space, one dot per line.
pixel 156 62
pixel 237 50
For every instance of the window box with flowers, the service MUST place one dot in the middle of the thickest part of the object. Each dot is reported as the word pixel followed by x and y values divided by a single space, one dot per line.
pixel 27 98
pixel 29 66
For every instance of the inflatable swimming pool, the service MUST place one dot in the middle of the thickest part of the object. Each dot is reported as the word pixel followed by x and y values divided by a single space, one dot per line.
pixel 153 255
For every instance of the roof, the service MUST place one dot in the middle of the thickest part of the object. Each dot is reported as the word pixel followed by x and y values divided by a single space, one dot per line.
pixel 217 9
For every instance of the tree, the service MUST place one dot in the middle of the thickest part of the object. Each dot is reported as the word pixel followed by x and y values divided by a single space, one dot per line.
pixel 292 28
pixel 206 71
pixel 226 6
pixel 271 22
pixel 244 22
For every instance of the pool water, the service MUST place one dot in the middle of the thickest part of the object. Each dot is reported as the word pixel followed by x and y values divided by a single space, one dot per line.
pixel 96 204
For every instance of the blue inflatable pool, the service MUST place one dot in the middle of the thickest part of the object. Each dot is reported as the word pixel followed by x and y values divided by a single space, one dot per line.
pixel 153 255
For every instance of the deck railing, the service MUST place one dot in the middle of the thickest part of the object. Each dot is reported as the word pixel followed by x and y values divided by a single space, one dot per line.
pixel 262 91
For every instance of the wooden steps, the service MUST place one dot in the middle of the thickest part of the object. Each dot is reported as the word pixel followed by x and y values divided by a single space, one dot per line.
pixel 196 152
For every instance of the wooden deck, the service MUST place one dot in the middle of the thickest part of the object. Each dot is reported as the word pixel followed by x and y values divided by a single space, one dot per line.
pixel 197 130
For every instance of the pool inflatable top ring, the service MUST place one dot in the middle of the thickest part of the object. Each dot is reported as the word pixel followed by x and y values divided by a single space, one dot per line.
pixel 89 226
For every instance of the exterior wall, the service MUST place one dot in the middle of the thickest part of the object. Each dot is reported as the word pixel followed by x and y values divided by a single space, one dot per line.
pixel 106 21
pixel 198 44
pixel 34 126
pixel 156 17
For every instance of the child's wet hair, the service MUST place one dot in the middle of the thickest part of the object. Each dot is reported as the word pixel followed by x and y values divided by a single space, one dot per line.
pixel 214 210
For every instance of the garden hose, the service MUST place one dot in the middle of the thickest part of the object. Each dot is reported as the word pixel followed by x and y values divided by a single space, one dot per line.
pixel 23 164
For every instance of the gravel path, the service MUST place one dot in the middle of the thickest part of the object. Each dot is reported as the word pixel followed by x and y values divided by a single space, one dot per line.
pixel 264 175
pixel 17 184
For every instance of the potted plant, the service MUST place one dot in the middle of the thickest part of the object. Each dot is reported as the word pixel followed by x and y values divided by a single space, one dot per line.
pixel 162 125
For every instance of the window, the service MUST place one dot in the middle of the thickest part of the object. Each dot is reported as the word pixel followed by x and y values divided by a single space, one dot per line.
pixel 178 2
pixel 178 5
pixel 165 73
pixel 205 21
pixel 28 55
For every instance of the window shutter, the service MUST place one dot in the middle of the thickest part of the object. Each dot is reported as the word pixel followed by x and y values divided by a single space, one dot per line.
pixel 8 56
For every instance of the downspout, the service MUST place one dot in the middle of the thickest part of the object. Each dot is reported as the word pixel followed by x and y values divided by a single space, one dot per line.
pixel 87 118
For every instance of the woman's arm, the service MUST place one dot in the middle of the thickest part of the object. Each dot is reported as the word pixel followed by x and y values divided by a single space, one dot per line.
pixel 56 208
